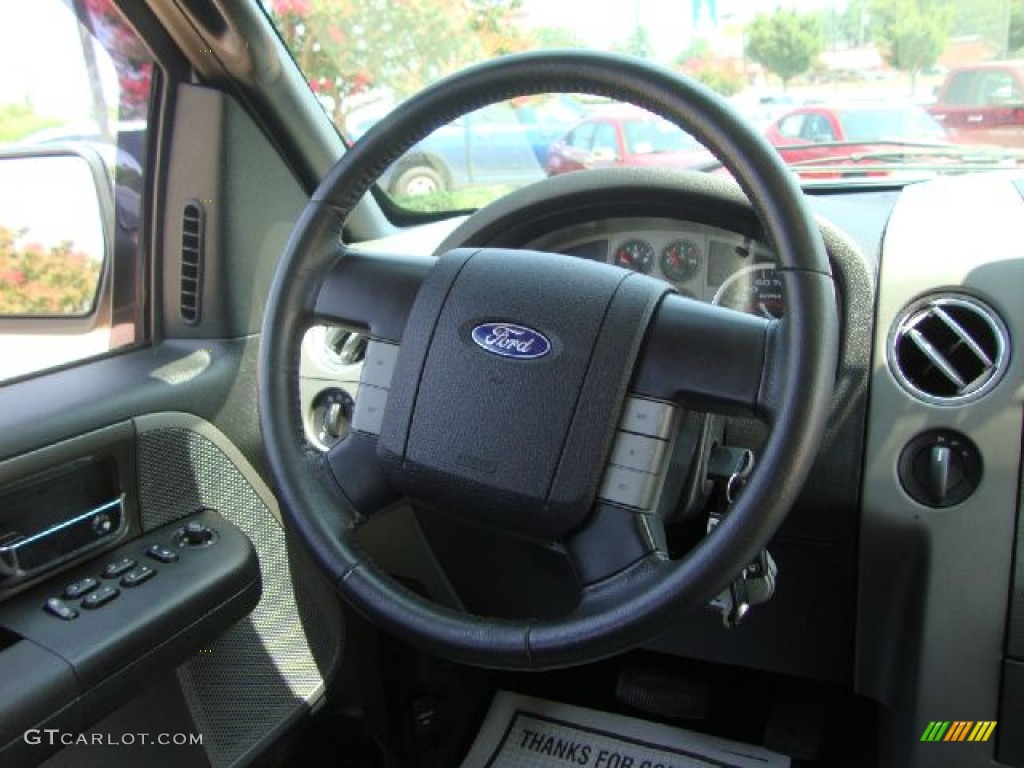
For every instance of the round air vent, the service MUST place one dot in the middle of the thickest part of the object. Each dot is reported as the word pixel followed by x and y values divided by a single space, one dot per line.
pixel 948 349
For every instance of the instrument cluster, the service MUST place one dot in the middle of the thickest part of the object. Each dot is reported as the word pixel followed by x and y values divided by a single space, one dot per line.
pixel 700 261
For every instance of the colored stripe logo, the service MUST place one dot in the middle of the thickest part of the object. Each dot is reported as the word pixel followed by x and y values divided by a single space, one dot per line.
pixel 958 730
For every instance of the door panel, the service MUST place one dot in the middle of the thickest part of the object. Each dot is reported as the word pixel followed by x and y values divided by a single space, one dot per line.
pixel 189 437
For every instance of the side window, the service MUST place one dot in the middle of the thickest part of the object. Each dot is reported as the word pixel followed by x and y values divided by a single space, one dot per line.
pixel 791 126
pixel 604 139
pixel 73 120
pixel 999 88
pixel 817 128
pixel 582 137
pixel 963 88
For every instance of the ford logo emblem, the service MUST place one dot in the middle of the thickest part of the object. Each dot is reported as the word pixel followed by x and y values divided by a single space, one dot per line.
pixel 511 340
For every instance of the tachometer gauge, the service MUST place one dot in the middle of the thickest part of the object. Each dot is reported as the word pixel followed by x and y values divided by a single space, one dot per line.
pixel 637 255
pixel 756 289
pixel 681 261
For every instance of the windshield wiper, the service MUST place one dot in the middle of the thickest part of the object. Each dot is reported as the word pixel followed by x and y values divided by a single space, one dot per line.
pixel 904 153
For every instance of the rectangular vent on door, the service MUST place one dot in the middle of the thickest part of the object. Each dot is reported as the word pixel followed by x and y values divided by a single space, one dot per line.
pixel 192 240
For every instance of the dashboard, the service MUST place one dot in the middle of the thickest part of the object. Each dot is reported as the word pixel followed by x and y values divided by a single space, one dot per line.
pixel 901 600
pixel 702 262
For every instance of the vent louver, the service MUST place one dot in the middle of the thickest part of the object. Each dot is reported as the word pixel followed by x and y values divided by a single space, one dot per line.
pixel 192 240
pixel 948 349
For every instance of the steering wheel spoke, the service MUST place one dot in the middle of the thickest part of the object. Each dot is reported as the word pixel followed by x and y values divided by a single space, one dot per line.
pixel 706 358
pixel 354 467
pixel 371 292
pixel 613 539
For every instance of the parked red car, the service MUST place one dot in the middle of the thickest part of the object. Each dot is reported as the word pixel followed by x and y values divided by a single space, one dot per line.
pixel 828 135
pixel 626 136
pixel 983 103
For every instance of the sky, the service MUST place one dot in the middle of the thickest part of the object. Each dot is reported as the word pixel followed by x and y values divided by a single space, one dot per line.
pixel 49 67
pixel 669 23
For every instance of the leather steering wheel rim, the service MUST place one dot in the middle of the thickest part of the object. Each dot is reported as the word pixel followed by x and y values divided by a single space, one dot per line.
pixel 796 391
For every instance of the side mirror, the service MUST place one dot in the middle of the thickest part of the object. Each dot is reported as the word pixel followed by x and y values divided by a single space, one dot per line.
pixel 55 213
pixel 56 245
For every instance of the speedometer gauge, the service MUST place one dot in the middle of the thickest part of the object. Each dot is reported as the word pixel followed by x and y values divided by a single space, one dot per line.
pixel 681 261
pixel 637 255
pixel 756 289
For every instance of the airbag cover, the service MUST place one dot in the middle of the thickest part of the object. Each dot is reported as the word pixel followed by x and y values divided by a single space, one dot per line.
pixel 481 421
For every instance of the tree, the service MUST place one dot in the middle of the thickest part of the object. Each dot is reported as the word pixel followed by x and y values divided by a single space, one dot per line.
pixel 855 23
pixel 1015 37
pixel 637 44
pixel 556 37
pixel 984 18
pixel 785 43
pixel 38 280
pixel 348 47
pixel 911 33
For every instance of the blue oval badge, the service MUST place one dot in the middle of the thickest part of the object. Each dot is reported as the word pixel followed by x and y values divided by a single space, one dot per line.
pixel 511 340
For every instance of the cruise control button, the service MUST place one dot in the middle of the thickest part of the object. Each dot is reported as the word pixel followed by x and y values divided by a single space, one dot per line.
pixel 101 596
pixel 637 452
pixel 137 575
pixel 379 364
pixel 647 417
pixel 369 413
pixel 116 568
pixel 628 487
pixel 162 554
pixel 60 609
pixel 80 587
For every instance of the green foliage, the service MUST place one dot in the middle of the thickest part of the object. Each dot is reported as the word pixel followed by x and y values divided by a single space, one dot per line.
pixel 985 18
pixel 1015 39
pixel 854 23
pixel 720 79
pixel 637 44
pixel 19 120
pixel 44 281
pixel 348 47
pixel 557 37
pixel 465 199
pixel 785 43
pixel 911 33
pixel 699 49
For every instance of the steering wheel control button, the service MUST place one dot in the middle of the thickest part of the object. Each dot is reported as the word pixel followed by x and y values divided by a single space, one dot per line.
pixel 162 554
pixel 137 575
pixel 118 567
pixel 637 452
pixel 100 597
pixel 628 487
pixel 57 607
pixel 81 587
pixel 194 535
pixel 940 468
pixel 369 413
pixel 647 417
pixel 379 366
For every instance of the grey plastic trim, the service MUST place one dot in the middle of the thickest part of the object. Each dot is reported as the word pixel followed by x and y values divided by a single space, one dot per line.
pixel 932 585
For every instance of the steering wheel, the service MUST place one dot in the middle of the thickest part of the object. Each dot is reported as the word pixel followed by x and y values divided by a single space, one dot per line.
pixel 498 382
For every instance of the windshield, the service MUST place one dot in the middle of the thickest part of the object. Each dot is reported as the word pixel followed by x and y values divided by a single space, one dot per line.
pixel 813 76
pixel 890 123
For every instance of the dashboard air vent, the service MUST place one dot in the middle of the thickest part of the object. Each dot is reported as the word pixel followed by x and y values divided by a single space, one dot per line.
pixel 948 349
pixel 192 237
